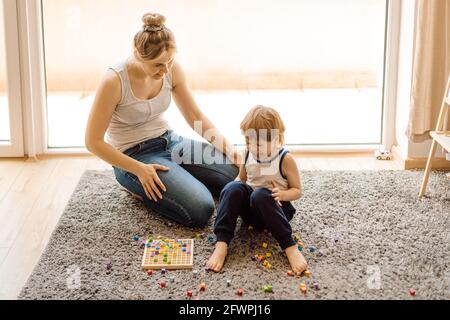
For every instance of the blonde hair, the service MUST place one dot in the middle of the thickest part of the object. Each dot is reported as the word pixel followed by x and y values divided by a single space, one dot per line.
pixel 154 38
pixel 266 122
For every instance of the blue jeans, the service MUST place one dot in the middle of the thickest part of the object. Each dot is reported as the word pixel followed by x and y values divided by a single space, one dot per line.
pixel 258 209
pixel 194 178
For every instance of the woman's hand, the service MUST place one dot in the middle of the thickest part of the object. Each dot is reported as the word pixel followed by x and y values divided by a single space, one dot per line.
pixel 149 179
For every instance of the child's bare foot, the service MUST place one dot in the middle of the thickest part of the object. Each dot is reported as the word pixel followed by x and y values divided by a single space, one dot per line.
pixel 296 259
pixel 217 259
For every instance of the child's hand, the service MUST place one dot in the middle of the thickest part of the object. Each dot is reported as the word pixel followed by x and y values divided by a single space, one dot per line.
pixel 277 194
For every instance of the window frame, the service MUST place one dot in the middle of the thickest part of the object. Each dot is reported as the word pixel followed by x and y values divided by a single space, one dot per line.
pixel 15 146
pixel 32 17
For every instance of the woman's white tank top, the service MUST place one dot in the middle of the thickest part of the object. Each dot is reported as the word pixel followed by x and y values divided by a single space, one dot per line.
pixel 136 120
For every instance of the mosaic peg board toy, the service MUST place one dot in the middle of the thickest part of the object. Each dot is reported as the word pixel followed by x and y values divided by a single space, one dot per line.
pixel 171 254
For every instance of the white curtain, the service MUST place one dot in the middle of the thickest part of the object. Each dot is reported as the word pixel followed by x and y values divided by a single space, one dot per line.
pixel 431 66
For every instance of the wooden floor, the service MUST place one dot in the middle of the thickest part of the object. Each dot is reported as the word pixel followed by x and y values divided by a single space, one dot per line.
pixel 33 196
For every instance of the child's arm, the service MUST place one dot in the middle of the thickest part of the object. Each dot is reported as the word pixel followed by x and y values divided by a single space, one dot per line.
pixel 242 174
pixel 290 171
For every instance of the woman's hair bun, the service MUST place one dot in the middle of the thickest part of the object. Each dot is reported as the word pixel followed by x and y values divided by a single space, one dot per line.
pixel 153 20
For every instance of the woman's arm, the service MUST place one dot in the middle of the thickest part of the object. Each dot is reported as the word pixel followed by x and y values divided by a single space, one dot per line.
pixel 290 171
pixel 107 98
pixel 192 114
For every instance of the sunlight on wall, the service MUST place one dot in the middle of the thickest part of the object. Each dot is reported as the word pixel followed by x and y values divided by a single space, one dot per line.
pixel 223 44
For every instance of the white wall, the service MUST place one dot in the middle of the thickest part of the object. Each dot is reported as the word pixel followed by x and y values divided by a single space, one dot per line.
pixel 2 53
pixel 229 37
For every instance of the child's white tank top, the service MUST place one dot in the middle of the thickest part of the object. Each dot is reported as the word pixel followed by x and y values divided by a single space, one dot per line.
pixel 260 174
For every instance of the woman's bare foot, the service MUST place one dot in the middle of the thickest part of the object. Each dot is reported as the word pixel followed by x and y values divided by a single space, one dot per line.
pixel 296 259
pixel 135 196
pixel 217 259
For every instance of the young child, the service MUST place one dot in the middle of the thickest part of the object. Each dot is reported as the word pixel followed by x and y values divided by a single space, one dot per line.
pixel 268 181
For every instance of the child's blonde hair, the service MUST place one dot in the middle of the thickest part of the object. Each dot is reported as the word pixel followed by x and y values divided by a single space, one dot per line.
pixel 154 38
pixel 266 122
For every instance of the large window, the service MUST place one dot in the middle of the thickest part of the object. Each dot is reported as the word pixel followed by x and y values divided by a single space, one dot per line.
pixel 320 63
pixel 5 135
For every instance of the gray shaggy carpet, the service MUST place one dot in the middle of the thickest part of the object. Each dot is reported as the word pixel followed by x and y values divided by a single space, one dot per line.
pixel 374 239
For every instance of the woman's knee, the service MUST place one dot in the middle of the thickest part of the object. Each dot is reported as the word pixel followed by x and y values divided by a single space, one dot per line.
pixel 227 175
pixel 216 177
pixel 200 211
pixel 189 212
pixel 226 178
pixel 232 171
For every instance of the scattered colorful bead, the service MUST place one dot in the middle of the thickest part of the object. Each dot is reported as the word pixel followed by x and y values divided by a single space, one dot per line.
pixel 163 249
pixel 312 249
pixel 303 288
pixel 307 274
pixel 268 289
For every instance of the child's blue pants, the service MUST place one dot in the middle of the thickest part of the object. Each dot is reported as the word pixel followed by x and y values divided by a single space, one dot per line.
pixel 257 209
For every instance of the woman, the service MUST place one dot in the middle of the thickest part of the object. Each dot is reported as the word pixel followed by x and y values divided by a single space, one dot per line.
pixel 143 150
